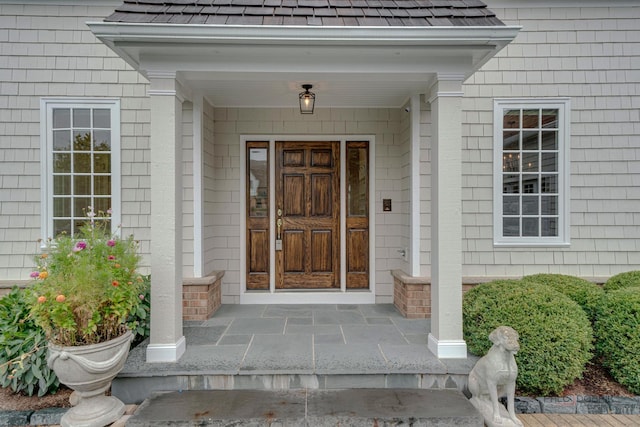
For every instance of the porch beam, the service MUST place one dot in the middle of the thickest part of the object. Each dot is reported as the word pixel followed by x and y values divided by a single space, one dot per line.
pixel 167 343
pixel 445 338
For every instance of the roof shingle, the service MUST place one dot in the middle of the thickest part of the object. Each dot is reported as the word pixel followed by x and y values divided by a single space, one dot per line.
pixel 308 12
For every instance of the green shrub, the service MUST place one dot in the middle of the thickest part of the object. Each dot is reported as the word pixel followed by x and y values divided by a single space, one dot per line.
pixel 140 317
pixel 555 333
pixel 23 349
pixel 618 336
pixel 623 280
pixel 584 292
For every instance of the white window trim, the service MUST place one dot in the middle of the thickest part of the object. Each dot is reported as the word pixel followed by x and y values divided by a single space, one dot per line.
pixel 564 133
pixel 46 159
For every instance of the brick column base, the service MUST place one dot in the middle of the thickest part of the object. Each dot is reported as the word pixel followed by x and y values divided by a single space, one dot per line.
pixel 201 296
pixel 411 295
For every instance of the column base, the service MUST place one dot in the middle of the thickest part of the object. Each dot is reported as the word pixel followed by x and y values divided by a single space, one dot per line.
pixel 447 349
pixel 157 353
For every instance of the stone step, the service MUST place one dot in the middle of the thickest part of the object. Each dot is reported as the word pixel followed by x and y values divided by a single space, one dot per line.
pixel 135 389
pixel 304 407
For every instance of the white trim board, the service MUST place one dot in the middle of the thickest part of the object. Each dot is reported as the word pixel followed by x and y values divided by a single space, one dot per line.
pixel 273 296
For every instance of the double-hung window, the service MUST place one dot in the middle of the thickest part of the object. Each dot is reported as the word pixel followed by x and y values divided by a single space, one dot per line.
pixel 531 172
pixel 80 162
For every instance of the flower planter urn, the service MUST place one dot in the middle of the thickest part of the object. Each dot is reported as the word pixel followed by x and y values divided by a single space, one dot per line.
pixel 89 370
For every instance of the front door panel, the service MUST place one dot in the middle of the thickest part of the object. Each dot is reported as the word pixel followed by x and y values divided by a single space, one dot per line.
pixel 308 215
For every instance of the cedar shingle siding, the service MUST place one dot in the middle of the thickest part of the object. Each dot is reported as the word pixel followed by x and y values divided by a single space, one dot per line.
pixel 400 13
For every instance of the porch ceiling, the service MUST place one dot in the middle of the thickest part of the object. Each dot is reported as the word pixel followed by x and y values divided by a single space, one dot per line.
pixel 263 66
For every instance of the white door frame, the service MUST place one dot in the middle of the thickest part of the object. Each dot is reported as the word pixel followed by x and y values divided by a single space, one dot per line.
pixel 337 296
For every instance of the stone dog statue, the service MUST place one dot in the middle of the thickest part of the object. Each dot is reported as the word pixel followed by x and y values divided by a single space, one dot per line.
pixel 494 376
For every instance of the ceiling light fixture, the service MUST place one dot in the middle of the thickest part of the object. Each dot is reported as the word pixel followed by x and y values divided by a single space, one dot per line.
pixel 307 100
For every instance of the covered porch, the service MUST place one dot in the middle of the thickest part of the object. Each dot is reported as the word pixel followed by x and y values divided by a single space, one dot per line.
pixel 224 72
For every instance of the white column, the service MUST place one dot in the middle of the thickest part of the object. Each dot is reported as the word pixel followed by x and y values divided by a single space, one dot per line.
pixel 415 234
pixel 167 343
pixel 445 339
pixel 198 187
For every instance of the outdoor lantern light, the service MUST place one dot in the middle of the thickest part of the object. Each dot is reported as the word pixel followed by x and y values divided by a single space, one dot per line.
pixel 307 100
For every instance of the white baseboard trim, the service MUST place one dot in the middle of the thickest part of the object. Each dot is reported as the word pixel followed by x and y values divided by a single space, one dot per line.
pixel 166 352
pixel 447 349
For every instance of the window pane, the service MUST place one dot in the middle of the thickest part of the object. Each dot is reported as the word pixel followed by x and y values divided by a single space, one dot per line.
pixel 102 140
pixel 62 163
pixel 101 118
pixel 530 205
pixel 530 119
pixel 80 206
pixel 102 204
pixel 530 184
pixel 61 140
pixel 357 185
pixel 62 185
pixel 510 184
pixel 549 140
pixel 511 141
pixel 82 163
pixel 511 162
pixel 549 162
pixel 511 227
pixel 77 224
pixel 549 205
pixel 102 185
pixel 82 140
pixel 82 185
pixel 530 162
pixel 530 227
pixel 530 140
pixel 549 184
pixel 81 118
pixel 258 182
pixel 511 119
pixel 550 118
pixel 61 118
pixel 61 226
pixel 549 227
pixel 102 163
pixel 511 205
pixel 61 206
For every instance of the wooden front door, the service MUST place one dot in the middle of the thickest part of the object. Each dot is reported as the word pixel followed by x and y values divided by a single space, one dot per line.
pixel 307 196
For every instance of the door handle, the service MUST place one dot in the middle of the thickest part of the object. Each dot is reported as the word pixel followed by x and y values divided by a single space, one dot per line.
pixel 279 223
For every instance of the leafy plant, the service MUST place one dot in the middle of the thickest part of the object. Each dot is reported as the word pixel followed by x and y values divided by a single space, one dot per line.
pixel 618 336
pixel 141 315
pixel 87 285
pixel 555 334
pixel 23 349
pixel 623 280
pixel 585 293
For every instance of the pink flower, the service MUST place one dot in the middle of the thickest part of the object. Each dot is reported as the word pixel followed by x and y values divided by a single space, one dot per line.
pixel 111 243
pixel 141 296
pixel 79 246
pixel 34 274
pixel 111 257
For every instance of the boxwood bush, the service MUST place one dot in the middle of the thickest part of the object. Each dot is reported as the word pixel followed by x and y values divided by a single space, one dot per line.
pixel 585 293
pixel 555 333
pixel 618 336
pixel 623 280
pixel 23 349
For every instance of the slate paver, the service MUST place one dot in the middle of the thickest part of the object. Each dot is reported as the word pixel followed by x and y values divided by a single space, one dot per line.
pixel 285 354
pixel 346 359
